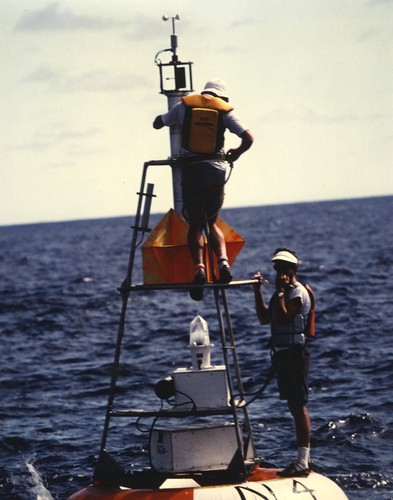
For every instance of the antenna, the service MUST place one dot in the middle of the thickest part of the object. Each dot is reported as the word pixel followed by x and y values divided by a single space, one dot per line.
pixel 174 70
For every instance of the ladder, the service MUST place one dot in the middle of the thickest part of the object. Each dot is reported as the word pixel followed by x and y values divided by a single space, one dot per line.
pixel 238 407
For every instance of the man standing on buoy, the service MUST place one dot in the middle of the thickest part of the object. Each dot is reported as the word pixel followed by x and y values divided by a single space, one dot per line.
pixel 203 119
pixel 287 312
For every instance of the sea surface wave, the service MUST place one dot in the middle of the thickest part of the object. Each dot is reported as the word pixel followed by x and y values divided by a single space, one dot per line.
pixel 59 314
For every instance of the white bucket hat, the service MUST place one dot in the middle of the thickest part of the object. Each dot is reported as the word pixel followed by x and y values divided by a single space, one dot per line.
pixel 217 87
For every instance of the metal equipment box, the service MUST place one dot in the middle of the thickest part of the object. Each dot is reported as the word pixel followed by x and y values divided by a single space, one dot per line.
pixel 206 388
pixel 193 448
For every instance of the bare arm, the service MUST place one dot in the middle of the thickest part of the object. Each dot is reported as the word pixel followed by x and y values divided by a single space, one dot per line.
pixel 288 308
pixel 247 140
pixel 262 310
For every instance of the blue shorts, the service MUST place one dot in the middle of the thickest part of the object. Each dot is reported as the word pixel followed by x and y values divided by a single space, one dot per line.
pixel 292 366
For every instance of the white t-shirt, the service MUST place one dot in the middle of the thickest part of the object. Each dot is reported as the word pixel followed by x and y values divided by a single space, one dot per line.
pixel 175 116
pixel 296 325
pixel 299 290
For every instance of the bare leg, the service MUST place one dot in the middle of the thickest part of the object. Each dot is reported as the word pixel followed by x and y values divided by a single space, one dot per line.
pixel 302 424
pixel 218 241
pixel 196 242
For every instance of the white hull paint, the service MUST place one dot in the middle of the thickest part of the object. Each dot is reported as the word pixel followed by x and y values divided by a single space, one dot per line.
pixel 314 487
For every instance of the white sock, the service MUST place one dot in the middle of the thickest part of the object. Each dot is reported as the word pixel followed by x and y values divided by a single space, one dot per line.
pixel 303 457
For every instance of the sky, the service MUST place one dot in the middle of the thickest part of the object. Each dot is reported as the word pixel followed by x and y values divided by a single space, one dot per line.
pixel 311 79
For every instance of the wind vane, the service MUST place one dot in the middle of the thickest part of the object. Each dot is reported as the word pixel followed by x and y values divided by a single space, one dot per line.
pixel 174 71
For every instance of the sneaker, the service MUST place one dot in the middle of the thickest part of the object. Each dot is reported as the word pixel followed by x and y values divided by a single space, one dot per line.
pixel 199 276
pixel 199 279
pixel 225 274
pixel 293 470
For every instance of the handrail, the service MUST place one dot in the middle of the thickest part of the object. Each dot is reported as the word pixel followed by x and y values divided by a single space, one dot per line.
pixel 188 286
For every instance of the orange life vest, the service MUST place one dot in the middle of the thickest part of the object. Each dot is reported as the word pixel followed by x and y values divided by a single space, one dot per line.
pixel 203 127
pixel 309 323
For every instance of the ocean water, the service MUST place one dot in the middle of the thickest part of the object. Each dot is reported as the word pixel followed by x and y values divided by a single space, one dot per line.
pixel 59 314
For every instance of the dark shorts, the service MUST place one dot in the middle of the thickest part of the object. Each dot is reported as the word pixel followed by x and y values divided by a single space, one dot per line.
pixel 203 192
pixel 292 366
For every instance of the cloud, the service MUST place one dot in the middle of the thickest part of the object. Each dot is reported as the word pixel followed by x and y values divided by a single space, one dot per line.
pixel 369 35
pixel 55 134
pixel 376 2
pixel 102 81
pixel 93 81
pixel 55 18
pixel 42 74
pixel 244 22
pixel 306 115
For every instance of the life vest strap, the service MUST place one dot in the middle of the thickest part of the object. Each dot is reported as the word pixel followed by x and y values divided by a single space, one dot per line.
pixel 288 339
pixel 196 158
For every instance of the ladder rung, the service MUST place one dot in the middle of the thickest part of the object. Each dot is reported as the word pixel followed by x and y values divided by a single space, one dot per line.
pixel 227 410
